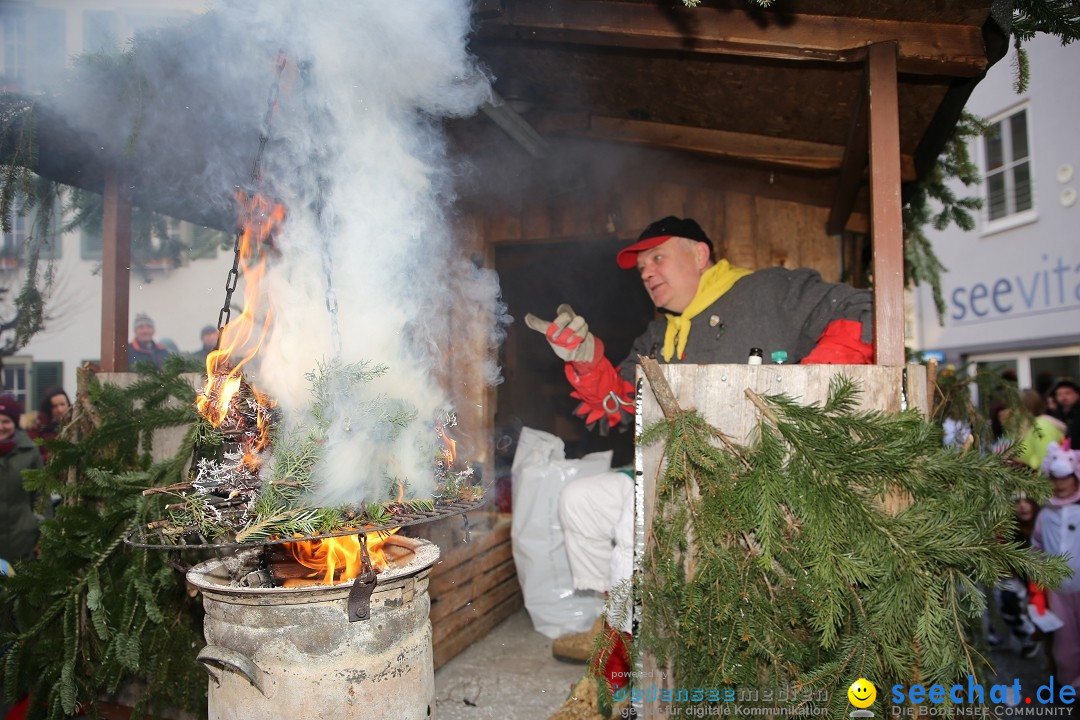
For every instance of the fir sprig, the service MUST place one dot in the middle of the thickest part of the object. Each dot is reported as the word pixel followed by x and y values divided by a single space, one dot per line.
pixel 839 544
pixel 91 614
pixel 932 202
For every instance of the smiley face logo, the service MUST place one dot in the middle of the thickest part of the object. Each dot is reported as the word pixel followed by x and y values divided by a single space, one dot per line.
pixel 862 693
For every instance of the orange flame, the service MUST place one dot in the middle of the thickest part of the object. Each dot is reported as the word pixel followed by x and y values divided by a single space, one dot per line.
pixel 261 437
pixel 339 558
pixel 449 449
pixel 243 336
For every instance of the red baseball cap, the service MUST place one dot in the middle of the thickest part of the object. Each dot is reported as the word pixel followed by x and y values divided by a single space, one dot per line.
pixel 659 233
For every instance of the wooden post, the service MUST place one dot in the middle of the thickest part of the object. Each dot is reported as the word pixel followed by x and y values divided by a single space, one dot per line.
pixel 885 216
pixel 115 272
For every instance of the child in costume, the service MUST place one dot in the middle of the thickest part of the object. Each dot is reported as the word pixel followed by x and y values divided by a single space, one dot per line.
pixel 1057 531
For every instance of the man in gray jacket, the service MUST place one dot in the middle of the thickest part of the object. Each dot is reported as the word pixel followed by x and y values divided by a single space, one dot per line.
pixel 711 312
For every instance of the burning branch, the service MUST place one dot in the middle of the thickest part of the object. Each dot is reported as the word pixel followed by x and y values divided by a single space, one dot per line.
pixel 261 483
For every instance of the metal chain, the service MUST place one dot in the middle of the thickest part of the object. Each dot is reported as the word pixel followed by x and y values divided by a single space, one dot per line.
pixel 233 276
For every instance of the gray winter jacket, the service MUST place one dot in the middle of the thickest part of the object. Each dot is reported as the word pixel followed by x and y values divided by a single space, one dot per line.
pixel 771 309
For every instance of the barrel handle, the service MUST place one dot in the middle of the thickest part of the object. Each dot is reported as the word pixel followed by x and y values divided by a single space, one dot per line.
pixel 214 657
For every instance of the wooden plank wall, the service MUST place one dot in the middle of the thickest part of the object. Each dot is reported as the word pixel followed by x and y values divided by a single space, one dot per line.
pixel 473 588
pixel 468 356
pixel 751 231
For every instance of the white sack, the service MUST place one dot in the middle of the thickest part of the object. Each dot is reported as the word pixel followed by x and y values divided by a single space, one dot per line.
pixel 538 474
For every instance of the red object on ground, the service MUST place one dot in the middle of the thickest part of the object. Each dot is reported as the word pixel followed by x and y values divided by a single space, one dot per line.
pixel 616 657
pixel 1037 597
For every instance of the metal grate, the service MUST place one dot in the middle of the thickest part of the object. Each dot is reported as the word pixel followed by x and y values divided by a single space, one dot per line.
pixel 157 540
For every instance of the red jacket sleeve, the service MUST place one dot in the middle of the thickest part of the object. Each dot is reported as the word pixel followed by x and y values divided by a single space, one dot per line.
pixel 841 344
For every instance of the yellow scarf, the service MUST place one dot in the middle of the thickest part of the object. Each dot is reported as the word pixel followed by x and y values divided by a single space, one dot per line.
pixel 714 282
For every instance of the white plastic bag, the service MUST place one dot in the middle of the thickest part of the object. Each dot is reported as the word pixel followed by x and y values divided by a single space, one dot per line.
pixel 538 474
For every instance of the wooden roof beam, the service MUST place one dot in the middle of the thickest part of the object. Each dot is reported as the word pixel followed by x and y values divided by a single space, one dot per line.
pixel 856 158
pixel 924 47
pixel 761 149
pixel 657 165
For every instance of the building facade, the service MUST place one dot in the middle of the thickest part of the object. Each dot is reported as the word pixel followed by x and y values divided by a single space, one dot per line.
pixel 1012 286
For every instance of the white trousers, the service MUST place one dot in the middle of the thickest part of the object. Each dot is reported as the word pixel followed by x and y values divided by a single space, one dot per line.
pixel 597 516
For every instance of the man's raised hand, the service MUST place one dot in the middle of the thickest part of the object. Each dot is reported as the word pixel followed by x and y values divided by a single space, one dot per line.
pixel 568 334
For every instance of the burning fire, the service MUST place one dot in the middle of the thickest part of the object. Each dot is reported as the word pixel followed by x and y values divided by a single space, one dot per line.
pixel 339 558
pixel 449 445
pixel 243 336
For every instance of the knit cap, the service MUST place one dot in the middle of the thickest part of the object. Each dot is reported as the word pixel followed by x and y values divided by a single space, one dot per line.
pixel 11 408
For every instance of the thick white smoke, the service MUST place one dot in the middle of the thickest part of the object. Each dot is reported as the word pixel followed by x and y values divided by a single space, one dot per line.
pixel 357 155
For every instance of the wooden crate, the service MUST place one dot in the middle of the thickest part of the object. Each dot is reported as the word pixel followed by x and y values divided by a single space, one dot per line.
pixel 473 588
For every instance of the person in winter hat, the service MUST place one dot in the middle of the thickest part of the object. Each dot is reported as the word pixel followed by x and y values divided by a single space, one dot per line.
pixel 143 347
pixel 711 312
pixel 1057 531
pixel 18 523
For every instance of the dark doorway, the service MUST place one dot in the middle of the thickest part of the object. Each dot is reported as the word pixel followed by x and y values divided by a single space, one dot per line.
pixel 536 278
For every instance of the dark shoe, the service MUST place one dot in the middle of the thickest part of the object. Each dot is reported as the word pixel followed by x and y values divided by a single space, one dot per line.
pixel 1031 649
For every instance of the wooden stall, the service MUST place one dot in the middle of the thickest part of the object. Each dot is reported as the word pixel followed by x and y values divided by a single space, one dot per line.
pixel 790 134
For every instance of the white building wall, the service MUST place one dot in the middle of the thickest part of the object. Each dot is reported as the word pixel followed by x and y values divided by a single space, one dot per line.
pixel 180 301
pixel 1014 292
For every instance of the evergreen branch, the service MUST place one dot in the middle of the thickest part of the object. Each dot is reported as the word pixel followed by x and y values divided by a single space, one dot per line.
pixel 761 406
pixel 793 566
pixel 87 614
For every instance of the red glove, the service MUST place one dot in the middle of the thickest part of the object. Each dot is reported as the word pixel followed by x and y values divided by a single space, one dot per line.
pixel 841 344
pixel 605 396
